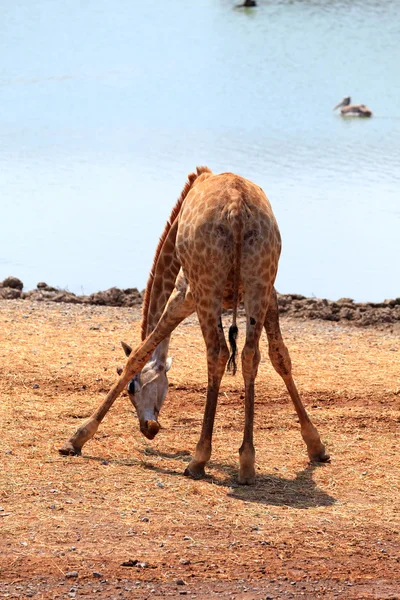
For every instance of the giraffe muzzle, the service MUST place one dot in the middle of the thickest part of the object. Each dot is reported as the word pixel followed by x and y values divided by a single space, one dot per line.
pixel 150 429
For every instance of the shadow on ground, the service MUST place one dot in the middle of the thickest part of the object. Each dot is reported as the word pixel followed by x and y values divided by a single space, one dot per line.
pixel 269 489
pixel 300 492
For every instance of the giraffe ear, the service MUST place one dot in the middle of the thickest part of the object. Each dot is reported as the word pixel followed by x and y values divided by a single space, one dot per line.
pixel 127 349
pixel 168 364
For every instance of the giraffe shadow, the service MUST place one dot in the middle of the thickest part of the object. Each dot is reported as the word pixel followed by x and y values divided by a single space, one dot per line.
pixel 270 489
pixel 301 492
pixel 183 455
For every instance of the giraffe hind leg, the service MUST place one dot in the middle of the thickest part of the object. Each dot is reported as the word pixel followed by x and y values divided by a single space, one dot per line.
pixel 256 306
pixel 217 358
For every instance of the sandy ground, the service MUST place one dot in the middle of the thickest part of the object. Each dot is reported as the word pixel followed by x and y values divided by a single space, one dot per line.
pixel 68 524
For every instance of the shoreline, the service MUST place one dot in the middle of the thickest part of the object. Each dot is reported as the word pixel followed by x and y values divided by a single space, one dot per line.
pixel 362 314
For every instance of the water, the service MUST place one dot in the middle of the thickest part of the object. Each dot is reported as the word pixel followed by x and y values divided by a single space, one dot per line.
pixel 106 107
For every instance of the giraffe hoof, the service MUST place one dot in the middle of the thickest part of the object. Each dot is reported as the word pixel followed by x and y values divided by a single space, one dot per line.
pixel 195 473
pixel 69 450
pixel 320 458
pixel 246 480
pixel 319 455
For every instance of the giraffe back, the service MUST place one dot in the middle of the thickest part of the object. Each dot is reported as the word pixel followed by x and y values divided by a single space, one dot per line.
pixel 225 225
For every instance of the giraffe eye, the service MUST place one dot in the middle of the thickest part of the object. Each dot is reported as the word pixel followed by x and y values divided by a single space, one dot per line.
pixel 132 386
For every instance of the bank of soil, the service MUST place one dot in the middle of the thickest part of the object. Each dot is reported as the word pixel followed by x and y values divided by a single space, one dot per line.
pixel 69 524
pixel 385 313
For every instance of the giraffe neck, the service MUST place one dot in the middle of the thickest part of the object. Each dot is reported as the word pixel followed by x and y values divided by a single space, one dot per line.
pixel 166 265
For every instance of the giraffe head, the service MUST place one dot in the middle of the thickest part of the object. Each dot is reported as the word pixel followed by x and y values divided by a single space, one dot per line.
pixel 147 392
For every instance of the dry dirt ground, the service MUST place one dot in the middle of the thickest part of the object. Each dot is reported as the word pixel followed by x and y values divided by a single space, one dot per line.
pixel 68 524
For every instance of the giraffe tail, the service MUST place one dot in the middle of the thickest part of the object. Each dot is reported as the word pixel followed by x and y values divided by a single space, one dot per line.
pixel 232 335
pixel 237 229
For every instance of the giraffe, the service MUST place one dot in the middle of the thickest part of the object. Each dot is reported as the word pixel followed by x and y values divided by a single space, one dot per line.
pixel 220 245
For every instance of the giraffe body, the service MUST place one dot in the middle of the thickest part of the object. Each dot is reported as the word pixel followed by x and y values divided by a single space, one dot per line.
pixel 221 244
pixel 228 244
pixel 227 233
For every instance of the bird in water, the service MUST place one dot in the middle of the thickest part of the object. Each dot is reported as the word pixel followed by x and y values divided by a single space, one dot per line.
pixel 353 110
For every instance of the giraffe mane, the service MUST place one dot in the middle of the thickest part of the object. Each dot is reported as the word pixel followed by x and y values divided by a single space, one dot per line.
pixel 174 214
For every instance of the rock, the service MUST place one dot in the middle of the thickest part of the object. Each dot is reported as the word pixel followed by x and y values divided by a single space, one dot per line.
pixel 12 282
pixel 129 563
pixel 392 303
pixel 135 563
pixel 37 295
pixel 97 575
pixel 44 286
pixel 67 297
pixel 112 297
pixel 9 293
pixel 346 313
pixel 71 574
pixel 53 295
pixel 292 305
pixel 116 297
pixel 35 386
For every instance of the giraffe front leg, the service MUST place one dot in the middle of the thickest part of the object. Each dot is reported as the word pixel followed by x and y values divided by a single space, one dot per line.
pixel 84 433
pixel 281 362
pixel 196 467
pixel 179 306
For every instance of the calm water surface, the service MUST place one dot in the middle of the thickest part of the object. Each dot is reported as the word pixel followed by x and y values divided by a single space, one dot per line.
pixel 107 106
